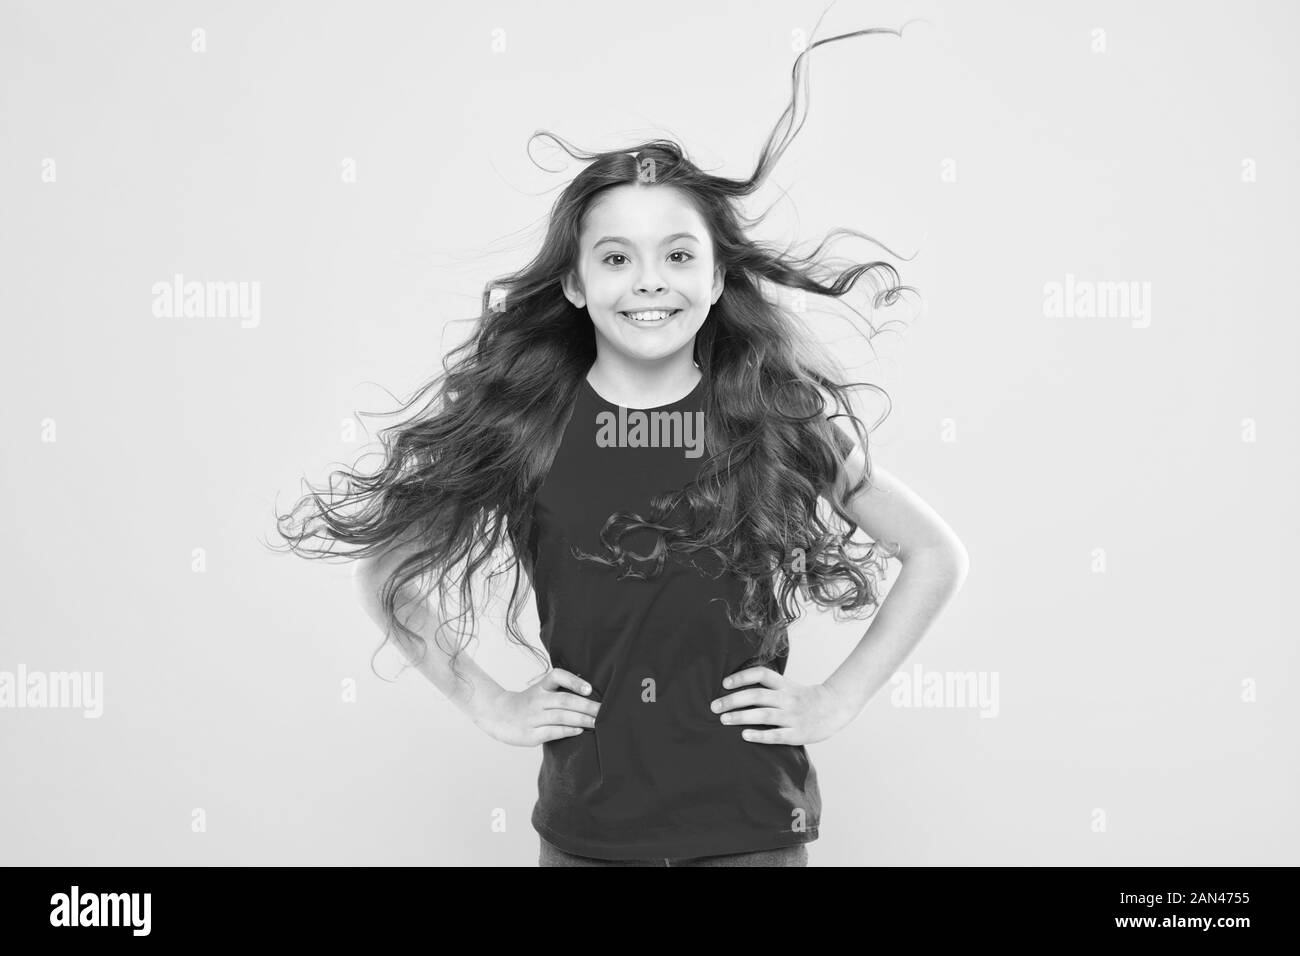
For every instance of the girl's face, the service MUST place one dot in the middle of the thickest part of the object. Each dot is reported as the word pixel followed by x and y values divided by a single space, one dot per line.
pixel 644 251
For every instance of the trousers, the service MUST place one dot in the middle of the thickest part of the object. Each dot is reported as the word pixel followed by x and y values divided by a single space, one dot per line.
pixel 796 855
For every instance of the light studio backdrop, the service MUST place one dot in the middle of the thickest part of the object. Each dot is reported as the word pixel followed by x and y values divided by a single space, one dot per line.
pixel 1096 200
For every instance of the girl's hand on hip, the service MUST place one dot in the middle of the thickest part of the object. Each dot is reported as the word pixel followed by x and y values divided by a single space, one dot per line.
pixel 549 709
pixel 798 713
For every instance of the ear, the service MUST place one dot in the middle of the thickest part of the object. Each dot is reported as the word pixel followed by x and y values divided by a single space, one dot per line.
pixel 719 274
pixel 572 289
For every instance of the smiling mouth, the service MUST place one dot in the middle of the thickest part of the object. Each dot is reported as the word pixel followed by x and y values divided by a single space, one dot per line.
pixel 650 316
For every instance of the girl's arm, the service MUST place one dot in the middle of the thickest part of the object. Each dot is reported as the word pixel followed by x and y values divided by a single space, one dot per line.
pixel 369 575
pixel 934 567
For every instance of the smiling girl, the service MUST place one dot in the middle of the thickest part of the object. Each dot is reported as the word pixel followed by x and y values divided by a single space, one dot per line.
pixel 666 563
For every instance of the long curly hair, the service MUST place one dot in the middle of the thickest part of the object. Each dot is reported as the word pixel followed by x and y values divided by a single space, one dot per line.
pixel 460 476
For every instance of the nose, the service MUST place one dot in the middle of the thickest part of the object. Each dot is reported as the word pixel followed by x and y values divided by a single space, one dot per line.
pixel 650 284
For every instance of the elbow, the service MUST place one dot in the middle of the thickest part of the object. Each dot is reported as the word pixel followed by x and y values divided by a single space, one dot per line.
pixel 948 557
pixel 961 565
pixel 957 557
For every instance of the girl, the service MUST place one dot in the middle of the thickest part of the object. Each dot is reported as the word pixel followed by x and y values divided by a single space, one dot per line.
pixel 644 429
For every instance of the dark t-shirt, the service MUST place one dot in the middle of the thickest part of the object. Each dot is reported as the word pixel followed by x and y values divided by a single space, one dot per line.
pixel 659 775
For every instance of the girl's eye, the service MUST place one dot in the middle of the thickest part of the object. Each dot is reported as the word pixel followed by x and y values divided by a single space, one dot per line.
pixel 678 252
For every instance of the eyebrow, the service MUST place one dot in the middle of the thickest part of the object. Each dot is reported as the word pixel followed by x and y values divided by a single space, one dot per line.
pixel 627 242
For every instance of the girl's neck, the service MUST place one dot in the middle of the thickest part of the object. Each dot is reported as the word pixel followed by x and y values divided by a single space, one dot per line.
pixel 634 387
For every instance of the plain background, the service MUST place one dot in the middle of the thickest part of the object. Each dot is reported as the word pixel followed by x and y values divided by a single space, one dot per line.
pixel 1158 689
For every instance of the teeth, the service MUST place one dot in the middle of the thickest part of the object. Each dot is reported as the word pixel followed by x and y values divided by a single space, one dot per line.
pixel 650 316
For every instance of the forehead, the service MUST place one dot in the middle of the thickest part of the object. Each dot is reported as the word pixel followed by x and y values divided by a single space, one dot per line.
pixel 642 214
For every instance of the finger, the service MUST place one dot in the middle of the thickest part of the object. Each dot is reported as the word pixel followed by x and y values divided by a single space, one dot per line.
pixel 784 735
pixel 566 718
pixel 758 715
pixel 555 733
pixel 754 675
pixel 558 678
pixel 743 698
pixel 565 701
